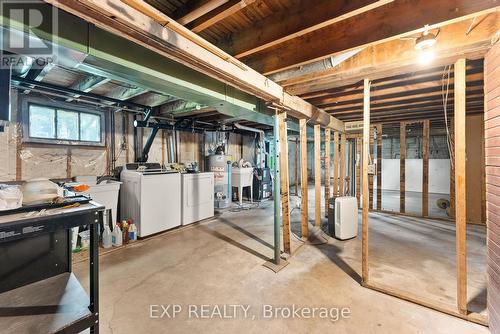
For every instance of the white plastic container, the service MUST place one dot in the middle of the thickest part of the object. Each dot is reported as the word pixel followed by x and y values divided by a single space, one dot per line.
pixel 117 236
pixel 105 193
pixel 346 217
pixel 107 241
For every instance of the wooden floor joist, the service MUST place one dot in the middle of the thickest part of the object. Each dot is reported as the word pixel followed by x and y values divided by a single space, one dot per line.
pixel 402 174
pixel 327 170
pixel 460 186
pixel 303 178
pixel 285 187
pixel 366 199
pixel 425 171
pixel 317 175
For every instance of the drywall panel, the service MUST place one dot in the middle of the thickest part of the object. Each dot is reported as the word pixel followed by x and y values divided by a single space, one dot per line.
pixel 439 175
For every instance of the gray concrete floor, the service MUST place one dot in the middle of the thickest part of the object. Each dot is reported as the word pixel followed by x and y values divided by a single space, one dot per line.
pixel 220 262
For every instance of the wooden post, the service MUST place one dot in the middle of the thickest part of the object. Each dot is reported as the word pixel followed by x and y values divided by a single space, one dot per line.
pixel 425 171
pixel 335 164
pixel 303 178
pixel 370 176
pixel 402 157
pixel 342 166
pixel 460 186
pixel 297 166
pixel 379 166
pixel 327 170
pixel 357 178
pixel 366 199
pixel 451 209
pixel 317 175
pixel 285 183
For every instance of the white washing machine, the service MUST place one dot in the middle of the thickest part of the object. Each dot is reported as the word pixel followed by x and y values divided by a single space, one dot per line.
pixel 197 197
pixel 151 197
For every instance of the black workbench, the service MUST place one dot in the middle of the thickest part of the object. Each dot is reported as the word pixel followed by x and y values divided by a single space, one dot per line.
pixel 38 291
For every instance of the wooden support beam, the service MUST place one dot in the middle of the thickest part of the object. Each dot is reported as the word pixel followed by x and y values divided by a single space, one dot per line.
pixel 379 166
pixel 297 166
pixel 366 142
pixel 425 171
pixel 357 177
pixel 195 9
pixel 317 175
pixel 399 56
pixel 327 169
pixel 218 14
pixel 460 187
pixel 370 176
pixel 389 22
pixel 342 189
pixel 451 209
pixel 402 174
pixel 285 186
pixel 335 164
pixel 303 178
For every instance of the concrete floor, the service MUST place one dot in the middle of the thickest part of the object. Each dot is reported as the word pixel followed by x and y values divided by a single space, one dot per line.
pixel 220 262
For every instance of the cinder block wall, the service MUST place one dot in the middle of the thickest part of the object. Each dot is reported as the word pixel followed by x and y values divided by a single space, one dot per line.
pixel 492 150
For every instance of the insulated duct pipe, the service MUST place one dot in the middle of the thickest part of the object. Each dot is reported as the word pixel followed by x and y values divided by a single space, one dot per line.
pixel 261 140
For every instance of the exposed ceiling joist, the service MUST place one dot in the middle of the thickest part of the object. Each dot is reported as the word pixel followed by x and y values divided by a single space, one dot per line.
pixel 220 13
pixel 299 20
pixel 195 9
pixel 392 21
pixel 399 56
pixel 136 24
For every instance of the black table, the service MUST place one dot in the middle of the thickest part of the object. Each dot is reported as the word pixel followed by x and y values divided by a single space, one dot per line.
pixel 38 291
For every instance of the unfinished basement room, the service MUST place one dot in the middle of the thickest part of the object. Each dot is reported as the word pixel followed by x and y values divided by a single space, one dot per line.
pixel 250 166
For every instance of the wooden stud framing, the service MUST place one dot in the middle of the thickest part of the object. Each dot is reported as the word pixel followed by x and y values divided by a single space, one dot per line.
pixel 370 176
pixel 460 186
pixel 366 199
pixel 451 209
pixel 285 198
pixel 425 171
pixel 335 164
pixel 327 170
pixel 297 162
pixel 402 157
pixel 379 166
pixel 342 165
pixel 317 175
pixel 357 177
pixel 303 178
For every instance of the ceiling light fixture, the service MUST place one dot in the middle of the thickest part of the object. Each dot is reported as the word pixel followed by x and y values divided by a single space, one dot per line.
pixel 427 40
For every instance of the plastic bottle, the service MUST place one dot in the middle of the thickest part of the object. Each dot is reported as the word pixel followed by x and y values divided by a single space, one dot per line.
pixel 106 237
pixel 125 231
pixel 117 237
pixel 132 231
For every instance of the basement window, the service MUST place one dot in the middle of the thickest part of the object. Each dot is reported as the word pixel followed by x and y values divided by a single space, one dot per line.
pixel 62 125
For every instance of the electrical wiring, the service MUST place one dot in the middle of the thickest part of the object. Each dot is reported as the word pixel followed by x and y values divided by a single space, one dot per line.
pixel 445 89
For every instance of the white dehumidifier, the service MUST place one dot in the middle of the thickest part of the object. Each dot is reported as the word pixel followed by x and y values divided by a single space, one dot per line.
pixel 346 218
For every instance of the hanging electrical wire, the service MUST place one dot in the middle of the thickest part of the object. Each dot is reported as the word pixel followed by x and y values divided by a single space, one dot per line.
pixel 445 90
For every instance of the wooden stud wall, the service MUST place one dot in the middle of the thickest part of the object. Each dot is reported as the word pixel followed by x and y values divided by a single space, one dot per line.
pixel 327 170
pixel 335 164
pixel 317 175
pixel 402 157
pixel 460 190
pixel 342 165
pixel 285 186
pixel 303 178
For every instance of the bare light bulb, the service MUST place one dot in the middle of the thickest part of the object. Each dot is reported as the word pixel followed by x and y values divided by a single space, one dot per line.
pixel 425 57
